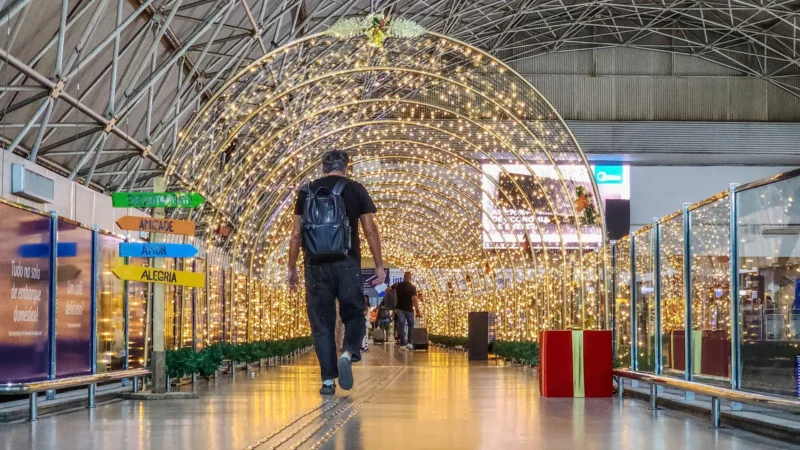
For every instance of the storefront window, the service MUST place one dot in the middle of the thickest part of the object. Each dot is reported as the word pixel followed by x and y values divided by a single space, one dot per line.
pixel 111 352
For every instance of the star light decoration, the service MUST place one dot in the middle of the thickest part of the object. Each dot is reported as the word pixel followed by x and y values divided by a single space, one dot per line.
pixel 420 117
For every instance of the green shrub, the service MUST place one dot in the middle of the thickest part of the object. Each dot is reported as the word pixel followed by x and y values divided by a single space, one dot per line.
pixel 184 362
pixel 180 362
pixel 208 360
pixel 449 341
pixel 525 352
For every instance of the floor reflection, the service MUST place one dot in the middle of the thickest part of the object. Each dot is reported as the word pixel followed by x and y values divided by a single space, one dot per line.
pixel 402 400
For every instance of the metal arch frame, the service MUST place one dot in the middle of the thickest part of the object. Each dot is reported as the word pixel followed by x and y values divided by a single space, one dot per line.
pixel 494 290
pixel 281 248
pixel 425 188
pixel 240 124
pixel 285 219
pixel 262 226
pixel 477 148
pixel 436 181
pixel 247 213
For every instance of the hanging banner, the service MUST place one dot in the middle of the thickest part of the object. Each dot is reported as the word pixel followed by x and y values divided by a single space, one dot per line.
pixel 74 302
pixel 156 199
pixel 24 297
pixel 164 226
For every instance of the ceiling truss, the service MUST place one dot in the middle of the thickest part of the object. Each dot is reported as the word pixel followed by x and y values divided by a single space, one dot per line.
pixel 99 90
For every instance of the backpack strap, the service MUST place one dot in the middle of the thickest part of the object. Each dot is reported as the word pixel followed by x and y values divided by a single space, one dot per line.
pixel 340 185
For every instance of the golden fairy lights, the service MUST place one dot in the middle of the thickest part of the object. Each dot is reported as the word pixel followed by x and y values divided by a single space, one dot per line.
pixel 420 117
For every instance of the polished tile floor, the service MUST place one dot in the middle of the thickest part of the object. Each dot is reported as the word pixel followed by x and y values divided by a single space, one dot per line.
pixel 433 400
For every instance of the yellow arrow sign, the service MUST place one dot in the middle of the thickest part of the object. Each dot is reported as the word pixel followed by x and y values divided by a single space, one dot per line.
pixel 150 275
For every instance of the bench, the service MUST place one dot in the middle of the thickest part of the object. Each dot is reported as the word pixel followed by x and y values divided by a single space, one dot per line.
pixel 716 393
pixel 35 387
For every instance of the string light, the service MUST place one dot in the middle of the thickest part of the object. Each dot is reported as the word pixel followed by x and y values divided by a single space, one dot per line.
pixel 422 118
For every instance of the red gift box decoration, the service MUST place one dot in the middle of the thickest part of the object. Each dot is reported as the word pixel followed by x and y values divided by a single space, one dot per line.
pixel 575 364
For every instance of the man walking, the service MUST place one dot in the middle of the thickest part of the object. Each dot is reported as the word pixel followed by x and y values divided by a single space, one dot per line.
pixel 407 305
pixel 327 214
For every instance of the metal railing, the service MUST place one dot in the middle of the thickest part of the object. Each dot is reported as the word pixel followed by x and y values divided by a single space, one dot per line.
pixel 716 393
pixel 33 388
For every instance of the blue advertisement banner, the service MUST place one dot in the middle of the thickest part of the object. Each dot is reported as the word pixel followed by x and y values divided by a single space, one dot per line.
pixel 608 174
pixel 74 302
pixel 24 297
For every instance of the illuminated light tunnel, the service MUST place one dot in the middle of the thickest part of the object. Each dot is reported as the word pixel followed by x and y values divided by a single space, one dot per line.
pixel 481 188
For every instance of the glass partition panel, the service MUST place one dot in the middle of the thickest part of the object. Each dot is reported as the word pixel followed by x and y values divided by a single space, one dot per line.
pixel 138 295
pixel 608 285
pixel 768 240
pixel 215 313
pixel 673 298
pixel 201 307
pixel 187 306
pixel 711 280
pixel 591 294
pixel 227 305
pixel 622 302
pixel 645 310
pixel 172 311
pixel 110 306
pixel 239 325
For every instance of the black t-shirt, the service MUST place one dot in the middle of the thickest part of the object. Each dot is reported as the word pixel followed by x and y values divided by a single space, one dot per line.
pixel 357 202
pixel 405 293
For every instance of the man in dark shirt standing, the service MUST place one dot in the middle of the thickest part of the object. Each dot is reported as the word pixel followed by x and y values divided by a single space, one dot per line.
pixel 407 305
pixel 329 279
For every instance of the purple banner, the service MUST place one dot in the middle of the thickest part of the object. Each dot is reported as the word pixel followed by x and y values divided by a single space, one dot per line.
pixel 24 297
pixel 74 302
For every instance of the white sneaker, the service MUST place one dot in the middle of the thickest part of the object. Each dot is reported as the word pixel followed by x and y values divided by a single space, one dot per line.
pixel 403 348
pixel 410 347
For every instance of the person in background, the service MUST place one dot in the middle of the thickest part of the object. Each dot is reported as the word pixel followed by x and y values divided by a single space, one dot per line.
pixel 373 316
pixel 364 342
pixel 407 306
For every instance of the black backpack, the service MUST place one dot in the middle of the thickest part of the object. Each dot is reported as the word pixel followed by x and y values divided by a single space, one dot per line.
pixel 325 225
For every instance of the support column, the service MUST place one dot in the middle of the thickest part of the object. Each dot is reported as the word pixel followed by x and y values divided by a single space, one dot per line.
pixel 688 365
pixel 736 327
pixel 158 363
pixel 656 245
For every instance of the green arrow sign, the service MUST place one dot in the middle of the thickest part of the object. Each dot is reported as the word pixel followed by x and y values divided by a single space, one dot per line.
pixel 157 199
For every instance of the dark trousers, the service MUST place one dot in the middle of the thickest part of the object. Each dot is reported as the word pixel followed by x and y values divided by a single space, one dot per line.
pixel 324 285
pixel 405 318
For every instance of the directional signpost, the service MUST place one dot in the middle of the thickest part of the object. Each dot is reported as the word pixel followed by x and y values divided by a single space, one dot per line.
pixel 135 250
pixel 157 226
pixel 163 276
pixel 149 225
pixel 157 199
